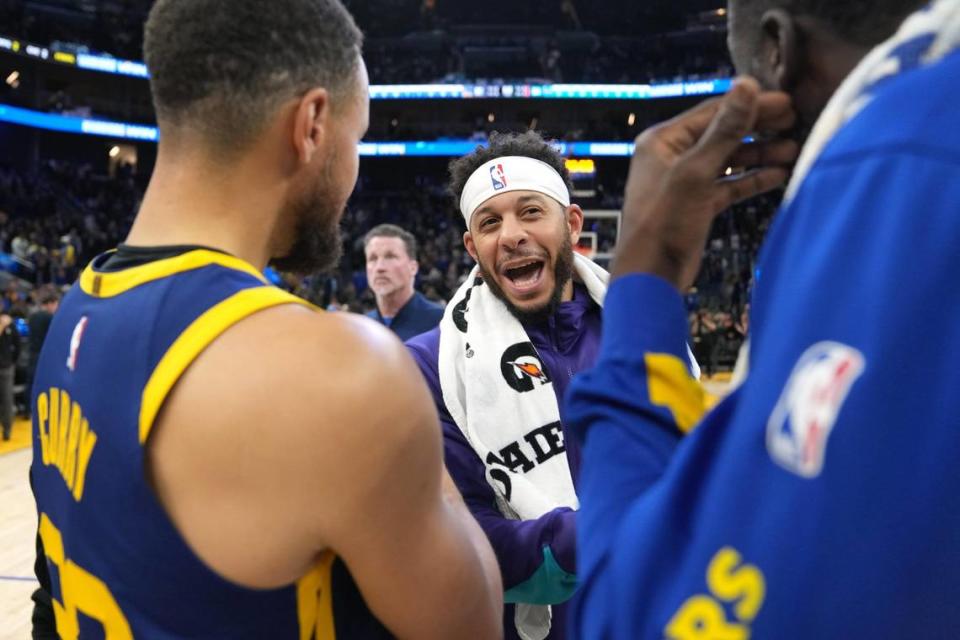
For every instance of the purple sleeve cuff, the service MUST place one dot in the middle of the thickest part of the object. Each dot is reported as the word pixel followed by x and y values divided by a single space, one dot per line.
pixel 518 544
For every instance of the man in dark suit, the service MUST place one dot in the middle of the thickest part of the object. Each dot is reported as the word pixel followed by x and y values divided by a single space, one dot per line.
pixel 391 270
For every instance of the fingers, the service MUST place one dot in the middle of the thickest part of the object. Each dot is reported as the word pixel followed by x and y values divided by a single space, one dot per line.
pixel 672 194
pixel 676 137
pixel 734 119
pixel 764 154
pixel 775 112
pixel 680 133
pixel 671 139
pixel 732 190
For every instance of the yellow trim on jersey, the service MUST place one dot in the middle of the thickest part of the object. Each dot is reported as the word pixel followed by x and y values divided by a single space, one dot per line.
pixel 315 601
pixel 107 285
pixel 670 385
pixel 197 337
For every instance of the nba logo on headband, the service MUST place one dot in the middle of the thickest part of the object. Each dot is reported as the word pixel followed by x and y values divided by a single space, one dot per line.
pixel 526 174
pixel 498 177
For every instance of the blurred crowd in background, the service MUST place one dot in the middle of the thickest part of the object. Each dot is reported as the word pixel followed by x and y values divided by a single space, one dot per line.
pixel 54 220
pixel 58 215
pixel 417 41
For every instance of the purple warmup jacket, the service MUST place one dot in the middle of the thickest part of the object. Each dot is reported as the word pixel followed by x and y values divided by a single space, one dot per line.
pixel 537 557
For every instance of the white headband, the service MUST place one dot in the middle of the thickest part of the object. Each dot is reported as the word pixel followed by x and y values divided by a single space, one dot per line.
pixel 511 173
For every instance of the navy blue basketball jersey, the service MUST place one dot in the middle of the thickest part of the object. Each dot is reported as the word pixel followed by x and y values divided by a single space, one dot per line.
pixel 119 569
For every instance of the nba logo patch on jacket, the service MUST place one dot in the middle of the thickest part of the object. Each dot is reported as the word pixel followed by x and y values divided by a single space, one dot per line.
pixel 799 427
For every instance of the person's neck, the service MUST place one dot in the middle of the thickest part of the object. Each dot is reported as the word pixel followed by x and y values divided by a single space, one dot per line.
pixel 190 201
pixel 390 304
pixel 830 59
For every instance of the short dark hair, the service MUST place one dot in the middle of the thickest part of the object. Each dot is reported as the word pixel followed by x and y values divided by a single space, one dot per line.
pixel 530 144
pixel 393 231
pixel 222 67
pixel 863 22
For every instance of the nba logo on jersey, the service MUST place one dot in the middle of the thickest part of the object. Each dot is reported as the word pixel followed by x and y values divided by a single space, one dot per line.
pixel 800 424
pixel 75 343
pixel 498 177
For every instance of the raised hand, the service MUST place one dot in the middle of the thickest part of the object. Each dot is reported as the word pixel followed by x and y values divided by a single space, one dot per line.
pixel 676 185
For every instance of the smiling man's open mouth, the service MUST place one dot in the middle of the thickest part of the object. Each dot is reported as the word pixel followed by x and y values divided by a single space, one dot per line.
pixel 524 275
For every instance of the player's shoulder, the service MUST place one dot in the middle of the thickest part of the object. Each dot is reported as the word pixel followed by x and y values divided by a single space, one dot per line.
pixel 308 363
pixel 286 382
pixel 913 113
pixel 352 354
pixel 287 411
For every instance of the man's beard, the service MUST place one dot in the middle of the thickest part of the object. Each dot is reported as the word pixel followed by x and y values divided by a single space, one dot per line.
pixel 562 273
pixel 317 245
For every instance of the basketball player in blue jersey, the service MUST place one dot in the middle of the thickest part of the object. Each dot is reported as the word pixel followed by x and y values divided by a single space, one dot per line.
pixel 822 498
pixel 214 458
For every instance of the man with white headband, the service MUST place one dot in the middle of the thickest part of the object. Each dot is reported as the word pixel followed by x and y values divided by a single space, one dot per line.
pixel 822 498
pixel 526 320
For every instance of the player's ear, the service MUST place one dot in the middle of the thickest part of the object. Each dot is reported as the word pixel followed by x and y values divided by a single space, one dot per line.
pixel 780 53
pixel 574 215
pixel 469 245
pixel 310 121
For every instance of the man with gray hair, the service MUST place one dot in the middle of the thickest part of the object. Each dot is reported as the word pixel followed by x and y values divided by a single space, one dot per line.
pixel 391 254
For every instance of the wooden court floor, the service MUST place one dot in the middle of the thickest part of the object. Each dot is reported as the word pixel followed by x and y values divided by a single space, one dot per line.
pixel 18 529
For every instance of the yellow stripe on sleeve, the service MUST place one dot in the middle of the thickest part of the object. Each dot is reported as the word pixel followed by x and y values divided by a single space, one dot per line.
pixel 196 338
pixel 670 385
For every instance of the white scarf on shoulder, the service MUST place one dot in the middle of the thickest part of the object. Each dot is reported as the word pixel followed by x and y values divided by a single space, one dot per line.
pixel 498 392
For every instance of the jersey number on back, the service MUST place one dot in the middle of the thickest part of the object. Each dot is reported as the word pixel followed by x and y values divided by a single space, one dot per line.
pixel 81 592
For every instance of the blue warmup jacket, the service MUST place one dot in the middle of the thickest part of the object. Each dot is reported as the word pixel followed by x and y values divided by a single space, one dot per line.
pixel 822 498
